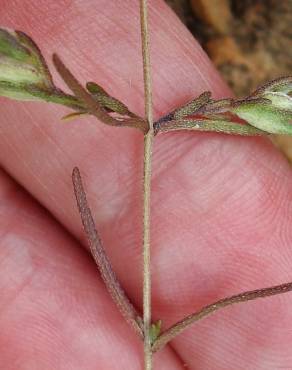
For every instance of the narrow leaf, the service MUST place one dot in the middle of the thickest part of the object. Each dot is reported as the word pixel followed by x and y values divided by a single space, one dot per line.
pixel 282 84
pixel 193 106
pixel 180 326
pixel 74 115
pixel 107 101
pixel 108 275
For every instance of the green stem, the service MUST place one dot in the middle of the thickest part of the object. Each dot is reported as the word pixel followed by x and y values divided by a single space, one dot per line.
pixel 65 99
pixel 34 93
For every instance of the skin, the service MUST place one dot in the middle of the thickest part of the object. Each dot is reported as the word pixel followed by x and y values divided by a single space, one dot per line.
pixel 221 208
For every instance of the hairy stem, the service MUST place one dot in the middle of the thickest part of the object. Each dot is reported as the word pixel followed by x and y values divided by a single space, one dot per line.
pixel 108 275
pixel 208 125
pixel 148 143
pixel 59 97
pixel 180 326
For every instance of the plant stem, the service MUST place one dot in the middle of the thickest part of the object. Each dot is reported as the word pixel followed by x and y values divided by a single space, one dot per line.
pixel 207 125
pixel 64 99
pixel 180 326
pixel 148 143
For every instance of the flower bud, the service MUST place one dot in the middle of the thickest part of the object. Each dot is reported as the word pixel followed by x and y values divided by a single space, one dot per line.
pixel 269 108
pixel 23 72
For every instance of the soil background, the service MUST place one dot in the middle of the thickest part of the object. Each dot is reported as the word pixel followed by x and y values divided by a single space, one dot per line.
pixel 249 41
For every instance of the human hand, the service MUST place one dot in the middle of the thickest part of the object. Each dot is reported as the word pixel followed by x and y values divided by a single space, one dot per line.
pixel 221 208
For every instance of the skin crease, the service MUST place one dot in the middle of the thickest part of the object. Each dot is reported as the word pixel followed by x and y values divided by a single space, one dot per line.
pixel 221 208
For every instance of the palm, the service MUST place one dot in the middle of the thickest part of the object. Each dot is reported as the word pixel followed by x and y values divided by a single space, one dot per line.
pixel 221 209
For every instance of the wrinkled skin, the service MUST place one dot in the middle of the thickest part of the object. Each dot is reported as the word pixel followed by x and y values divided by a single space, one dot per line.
pixel 221 208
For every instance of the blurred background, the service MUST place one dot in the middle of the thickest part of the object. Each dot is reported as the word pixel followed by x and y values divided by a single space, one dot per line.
pixel 249 41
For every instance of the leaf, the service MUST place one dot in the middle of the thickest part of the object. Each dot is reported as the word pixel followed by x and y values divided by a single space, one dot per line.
pixel 74 115
pixel 107 101
pixel 101 259
pixel 155 330
pixel 282 85
pixel 193 106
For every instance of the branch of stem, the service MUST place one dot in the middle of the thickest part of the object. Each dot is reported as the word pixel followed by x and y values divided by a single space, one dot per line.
pixel 207 125
pixel 180 326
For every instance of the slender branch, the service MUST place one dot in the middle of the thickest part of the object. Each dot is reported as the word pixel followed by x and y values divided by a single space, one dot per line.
pixel 208 125
pixel 108 275
pixel 148 143
pixel 180 326
pixel 59 97
pixel 93 106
